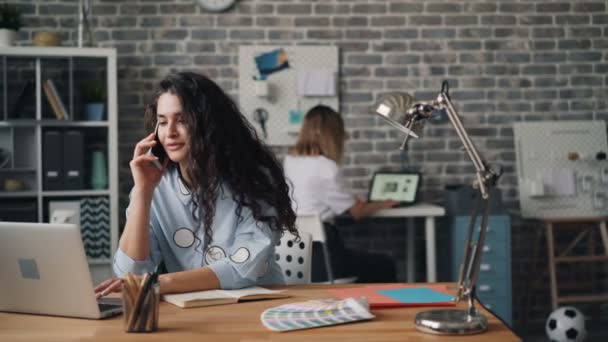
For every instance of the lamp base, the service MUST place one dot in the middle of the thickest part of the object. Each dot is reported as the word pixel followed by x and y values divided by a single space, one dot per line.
pixel 450 322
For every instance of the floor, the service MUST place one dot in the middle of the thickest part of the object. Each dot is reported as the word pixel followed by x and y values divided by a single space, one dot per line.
pixel 597 331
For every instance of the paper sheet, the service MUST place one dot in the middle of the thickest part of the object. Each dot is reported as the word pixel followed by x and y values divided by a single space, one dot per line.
pixel 559 182
pixel 319 82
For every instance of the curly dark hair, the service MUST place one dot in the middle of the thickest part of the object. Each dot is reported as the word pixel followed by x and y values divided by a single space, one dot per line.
pixel 226 150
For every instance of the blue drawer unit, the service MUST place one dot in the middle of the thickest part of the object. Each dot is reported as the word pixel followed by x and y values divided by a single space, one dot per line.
pixel 494 281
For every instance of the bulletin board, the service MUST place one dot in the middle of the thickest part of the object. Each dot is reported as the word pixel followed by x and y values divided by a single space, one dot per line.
pixel 562 169
pixel 278 95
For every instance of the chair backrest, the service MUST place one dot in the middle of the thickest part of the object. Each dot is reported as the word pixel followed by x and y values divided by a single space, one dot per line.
pixel 295 258
pixel 311 223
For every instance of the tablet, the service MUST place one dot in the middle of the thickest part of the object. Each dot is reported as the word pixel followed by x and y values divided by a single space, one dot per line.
pixel 397 186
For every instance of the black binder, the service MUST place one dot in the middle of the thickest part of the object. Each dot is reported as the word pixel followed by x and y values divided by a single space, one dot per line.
pixel 73 160
pixel 52 160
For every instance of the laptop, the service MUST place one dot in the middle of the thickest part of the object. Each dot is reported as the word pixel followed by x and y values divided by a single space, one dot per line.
pixel 44 270
pixel 399 186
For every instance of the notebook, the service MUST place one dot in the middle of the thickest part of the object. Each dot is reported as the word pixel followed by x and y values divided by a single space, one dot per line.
pixel 399 295
pixel 45 271
pixel 397 186
pixel 219 297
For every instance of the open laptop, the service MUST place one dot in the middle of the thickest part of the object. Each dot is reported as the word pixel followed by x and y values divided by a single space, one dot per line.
pixel 399 186
pixel 44 270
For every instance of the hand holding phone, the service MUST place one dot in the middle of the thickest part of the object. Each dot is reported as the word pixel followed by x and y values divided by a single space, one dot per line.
pixel 158 151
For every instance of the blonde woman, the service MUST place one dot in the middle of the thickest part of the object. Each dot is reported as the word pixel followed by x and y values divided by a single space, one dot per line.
pixel 312 166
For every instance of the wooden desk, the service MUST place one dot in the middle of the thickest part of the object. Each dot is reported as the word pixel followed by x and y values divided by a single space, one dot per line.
pixel 237 322
pixel 429 212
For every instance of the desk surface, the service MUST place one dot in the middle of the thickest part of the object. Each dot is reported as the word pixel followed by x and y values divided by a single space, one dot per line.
pixel 420 209
pixel 237 322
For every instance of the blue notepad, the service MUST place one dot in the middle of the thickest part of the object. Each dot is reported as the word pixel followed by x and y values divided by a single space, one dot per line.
pixel 419 295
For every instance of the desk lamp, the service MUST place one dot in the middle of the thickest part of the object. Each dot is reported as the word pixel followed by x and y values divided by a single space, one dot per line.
pixel 402 112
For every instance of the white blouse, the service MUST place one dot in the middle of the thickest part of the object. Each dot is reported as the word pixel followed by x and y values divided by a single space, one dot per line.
pixel 314 182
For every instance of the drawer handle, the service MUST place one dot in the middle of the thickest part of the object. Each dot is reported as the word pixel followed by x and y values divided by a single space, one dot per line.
pixel 485 267
pixel 485 288
pixel 486 248
pixel 487 230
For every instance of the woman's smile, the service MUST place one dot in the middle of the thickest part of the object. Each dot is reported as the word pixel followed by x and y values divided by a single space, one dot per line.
pixel 174 146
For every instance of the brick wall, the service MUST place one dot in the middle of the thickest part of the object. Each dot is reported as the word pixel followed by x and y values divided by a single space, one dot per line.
pixel 506 61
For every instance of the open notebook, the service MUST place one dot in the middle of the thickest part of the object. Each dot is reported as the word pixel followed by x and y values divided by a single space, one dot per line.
pixel 218 297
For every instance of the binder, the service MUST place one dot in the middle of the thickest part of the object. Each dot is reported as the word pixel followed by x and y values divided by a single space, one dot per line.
pixel 52 160
pixel 73 160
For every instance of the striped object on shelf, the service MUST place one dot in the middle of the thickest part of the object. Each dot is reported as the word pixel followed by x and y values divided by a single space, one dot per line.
pixel 95 226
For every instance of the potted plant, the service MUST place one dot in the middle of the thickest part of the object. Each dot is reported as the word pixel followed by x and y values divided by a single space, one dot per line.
pixel 94 92
pixel 10 23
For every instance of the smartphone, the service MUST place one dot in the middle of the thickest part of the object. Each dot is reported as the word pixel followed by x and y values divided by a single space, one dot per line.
pixel 158 151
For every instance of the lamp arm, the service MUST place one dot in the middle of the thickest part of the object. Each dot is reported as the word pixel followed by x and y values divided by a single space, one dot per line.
pixel 485 179
pixel 443 102
pixel 469 269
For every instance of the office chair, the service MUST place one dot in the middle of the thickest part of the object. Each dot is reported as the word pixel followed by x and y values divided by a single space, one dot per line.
pixel 295 258
pixel 311 223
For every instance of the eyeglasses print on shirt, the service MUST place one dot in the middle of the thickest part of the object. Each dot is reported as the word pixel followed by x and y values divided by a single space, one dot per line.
pixel 215 253
pixel 185 238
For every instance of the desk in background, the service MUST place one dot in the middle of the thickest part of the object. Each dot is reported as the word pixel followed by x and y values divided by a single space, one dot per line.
pixel 239 322
pixel 429 212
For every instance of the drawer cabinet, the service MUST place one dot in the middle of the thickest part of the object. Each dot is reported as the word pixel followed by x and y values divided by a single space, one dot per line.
pixel 494 281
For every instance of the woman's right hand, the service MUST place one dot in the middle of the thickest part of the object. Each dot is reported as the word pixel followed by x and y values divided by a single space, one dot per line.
pixel 108 286
pixel 145 175
pixel 363 209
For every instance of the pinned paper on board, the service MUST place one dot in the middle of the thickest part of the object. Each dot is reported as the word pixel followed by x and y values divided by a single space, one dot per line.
pixel 317 82
pixel 559 182
pixel 296 116
pixel 271 62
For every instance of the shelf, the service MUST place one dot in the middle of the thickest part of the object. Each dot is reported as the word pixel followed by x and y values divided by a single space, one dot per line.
pixel 67 193
pixel 99 261
pixel 23 51
pixel 52 123
pixel 17 169
pixel 75 193
pixel 18 194
pixel 27 114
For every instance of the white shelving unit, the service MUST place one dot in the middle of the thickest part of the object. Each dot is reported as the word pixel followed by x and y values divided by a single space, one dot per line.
pixel 23 124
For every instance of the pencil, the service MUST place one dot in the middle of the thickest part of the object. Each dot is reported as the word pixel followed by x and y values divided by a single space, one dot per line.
pixel 138 302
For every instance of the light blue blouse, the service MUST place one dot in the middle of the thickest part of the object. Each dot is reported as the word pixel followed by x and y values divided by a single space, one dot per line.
pixel 241 252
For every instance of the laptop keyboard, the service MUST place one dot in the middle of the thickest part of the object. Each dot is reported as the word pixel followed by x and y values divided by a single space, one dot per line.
pixel 107 307
pixel 106 304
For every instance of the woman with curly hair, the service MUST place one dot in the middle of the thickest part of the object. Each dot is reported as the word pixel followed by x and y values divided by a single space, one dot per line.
pixel 216 208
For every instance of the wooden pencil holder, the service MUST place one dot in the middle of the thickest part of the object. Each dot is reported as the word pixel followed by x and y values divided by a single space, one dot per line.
pixel 140 309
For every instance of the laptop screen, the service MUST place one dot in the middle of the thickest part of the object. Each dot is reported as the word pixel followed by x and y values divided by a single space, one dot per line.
pixel 397 186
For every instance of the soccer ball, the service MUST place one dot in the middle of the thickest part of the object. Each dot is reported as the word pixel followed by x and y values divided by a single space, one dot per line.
pixel 566 324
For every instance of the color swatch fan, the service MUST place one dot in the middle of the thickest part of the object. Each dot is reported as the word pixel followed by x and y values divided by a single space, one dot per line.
pixel 316 313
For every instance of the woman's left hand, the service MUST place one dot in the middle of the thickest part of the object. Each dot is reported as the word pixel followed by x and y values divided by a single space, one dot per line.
pixel 108 286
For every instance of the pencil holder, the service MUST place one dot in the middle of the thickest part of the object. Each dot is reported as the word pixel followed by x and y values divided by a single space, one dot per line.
pixel 140 308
